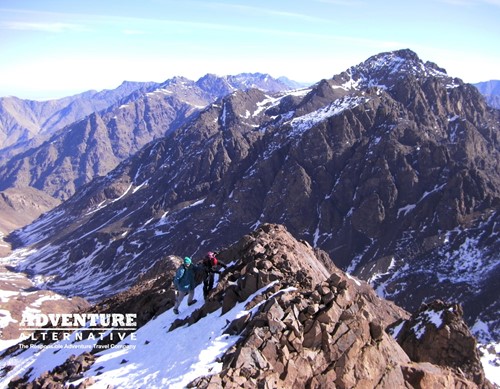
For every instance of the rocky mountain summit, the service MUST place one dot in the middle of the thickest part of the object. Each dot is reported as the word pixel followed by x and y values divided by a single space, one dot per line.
pixel 288 317
pixel 391 167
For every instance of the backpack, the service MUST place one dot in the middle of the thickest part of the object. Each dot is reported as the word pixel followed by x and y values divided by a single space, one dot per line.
pixel 210 261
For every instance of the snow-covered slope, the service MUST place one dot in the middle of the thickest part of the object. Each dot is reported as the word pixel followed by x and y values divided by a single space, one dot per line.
pixel 155 357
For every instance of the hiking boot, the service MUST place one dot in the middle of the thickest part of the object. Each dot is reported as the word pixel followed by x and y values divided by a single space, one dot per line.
pixel 192 302
pixel 176 311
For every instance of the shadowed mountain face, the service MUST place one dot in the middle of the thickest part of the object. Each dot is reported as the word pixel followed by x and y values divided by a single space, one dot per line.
pixel 391 167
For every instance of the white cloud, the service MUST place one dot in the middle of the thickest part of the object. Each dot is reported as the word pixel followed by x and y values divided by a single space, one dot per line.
pixel 134 32
pixel 40 26
pixel 471 3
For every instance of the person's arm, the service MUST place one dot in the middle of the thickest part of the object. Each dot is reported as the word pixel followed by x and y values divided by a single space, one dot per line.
pixel 178 276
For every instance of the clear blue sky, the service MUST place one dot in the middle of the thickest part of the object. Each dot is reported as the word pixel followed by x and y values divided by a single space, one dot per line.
pixel 55 48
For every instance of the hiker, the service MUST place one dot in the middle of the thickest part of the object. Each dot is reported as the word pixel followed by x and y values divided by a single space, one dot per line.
pixel 184 284
pixel 209 264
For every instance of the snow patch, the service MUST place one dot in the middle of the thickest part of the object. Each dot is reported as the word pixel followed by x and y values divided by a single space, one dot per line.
pixel 303 123
pixel 427 317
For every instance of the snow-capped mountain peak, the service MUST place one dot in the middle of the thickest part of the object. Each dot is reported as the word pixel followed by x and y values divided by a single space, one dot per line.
pixel 385 69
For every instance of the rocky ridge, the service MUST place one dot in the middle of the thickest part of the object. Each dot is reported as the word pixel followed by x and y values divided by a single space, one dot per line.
pixel 307 324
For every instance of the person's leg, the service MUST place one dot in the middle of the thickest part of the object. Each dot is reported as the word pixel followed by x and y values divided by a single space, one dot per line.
pixel 179 296
pixel 206 287
pixel 211 282
pixel 191 299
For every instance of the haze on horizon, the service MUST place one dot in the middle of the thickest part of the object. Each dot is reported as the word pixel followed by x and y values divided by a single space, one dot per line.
pixel 57 48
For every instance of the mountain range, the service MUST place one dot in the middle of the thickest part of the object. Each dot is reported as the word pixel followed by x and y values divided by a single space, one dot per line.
pixel 391 167
pixel 52 148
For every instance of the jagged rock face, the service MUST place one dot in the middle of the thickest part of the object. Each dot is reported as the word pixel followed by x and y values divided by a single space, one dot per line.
pixel 391 167
pixel 436 333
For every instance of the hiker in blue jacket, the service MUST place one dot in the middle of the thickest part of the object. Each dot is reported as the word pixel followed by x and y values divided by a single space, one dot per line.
pixel 184 283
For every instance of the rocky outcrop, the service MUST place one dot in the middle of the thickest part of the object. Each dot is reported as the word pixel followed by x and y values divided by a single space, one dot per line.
pixel 437 334
pixel 315 328
pixel 71 370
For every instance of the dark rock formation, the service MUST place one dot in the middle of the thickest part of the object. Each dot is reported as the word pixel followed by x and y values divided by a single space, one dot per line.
pixel 437 334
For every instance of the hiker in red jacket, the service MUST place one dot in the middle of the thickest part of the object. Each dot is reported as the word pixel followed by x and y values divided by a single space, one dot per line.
pixel 209 265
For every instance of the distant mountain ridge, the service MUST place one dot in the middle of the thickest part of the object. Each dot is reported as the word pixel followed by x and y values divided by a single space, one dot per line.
pixel 491 91
pixel 23 120
pixel 133 115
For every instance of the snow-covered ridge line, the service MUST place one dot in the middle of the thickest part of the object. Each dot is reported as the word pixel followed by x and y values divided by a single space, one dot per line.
pixel 305 122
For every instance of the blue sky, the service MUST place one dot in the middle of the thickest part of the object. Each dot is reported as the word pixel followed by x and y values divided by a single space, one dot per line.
pixel 55 48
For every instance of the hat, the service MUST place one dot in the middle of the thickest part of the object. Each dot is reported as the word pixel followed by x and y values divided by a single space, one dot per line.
pixel 187 261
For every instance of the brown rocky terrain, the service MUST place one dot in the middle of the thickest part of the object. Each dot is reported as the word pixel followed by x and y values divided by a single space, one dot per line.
pixel 18 294
pixel 308 325
pixel 19 207
pixel 328 332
